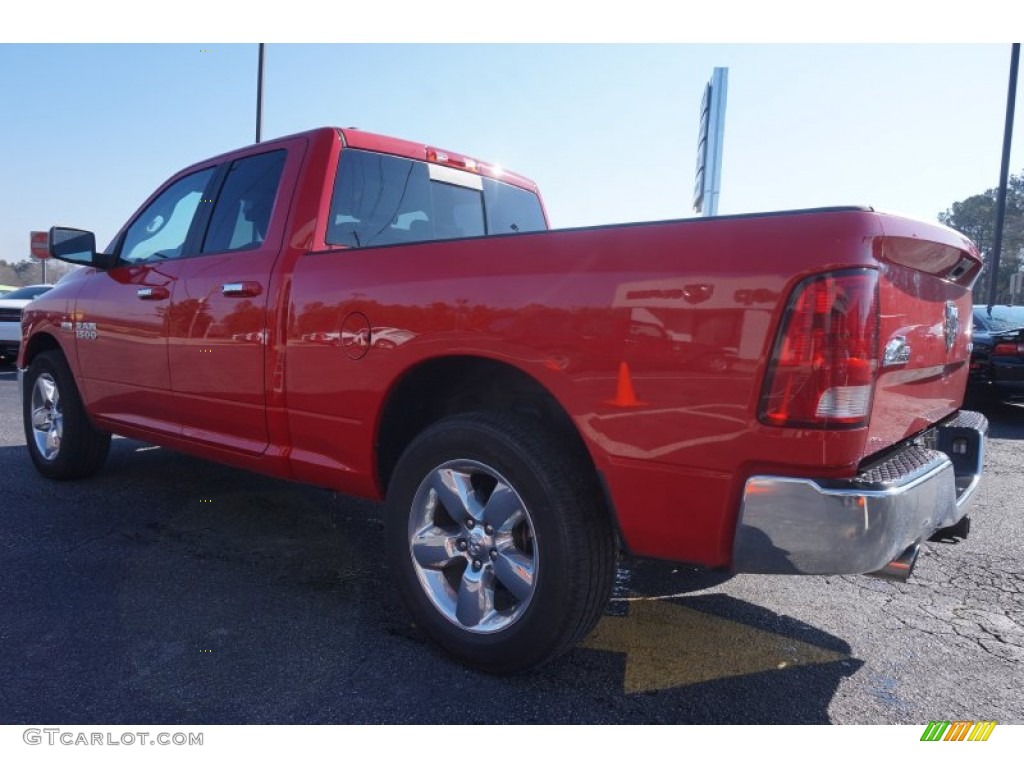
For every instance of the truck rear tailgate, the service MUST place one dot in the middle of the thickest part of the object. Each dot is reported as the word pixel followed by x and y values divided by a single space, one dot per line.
pixel 925 331
pixel 905 490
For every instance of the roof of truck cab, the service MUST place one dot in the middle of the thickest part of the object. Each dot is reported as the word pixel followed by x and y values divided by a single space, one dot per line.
pixel 375 142
pixel 356 139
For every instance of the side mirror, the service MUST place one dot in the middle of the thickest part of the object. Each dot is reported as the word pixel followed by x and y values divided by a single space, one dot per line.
pixel 74 245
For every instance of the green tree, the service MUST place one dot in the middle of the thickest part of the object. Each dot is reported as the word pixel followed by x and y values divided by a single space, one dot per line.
pixel 976 218
pixel 30 271
pixel 8 276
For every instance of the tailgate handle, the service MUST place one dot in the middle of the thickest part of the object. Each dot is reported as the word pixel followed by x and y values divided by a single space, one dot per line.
pixel 152 294
pixel 244 288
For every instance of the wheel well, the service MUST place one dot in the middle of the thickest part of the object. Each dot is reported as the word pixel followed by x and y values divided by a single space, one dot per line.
pixel 451 385
pixel 41 342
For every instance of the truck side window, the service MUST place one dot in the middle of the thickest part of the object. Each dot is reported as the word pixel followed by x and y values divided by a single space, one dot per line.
pixel 379 200
pixel 160 230
pixel 241 214
pixel 511 209
pixel 382 200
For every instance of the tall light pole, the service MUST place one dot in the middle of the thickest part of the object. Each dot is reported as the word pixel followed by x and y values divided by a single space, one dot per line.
pixel 259 96
pixel 997 245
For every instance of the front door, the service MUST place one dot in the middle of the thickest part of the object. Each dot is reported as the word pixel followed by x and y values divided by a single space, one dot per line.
pixel 121 315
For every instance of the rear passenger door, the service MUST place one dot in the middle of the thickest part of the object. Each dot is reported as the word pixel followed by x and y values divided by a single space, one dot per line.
pixel 218 332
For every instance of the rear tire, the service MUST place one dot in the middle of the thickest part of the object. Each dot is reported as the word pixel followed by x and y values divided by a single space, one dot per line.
pixel 498 540
pixel 62 440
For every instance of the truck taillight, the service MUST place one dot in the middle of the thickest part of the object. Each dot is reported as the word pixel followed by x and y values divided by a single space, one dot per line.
pixel 822 370
pixel 1008 349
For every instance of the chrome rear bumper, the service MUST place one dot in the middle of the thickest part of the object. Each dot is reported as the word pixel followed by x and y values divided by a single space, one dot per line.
pixel 869 523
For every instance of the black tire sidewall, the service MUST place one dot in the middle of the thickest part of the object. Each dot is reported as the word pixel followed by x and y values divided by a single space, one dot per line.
pixel 82 448
pixel 543 624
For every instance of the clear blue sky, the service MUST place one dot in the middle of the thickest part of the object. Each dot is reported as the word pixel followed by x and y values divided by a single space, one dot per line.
pixel 608 131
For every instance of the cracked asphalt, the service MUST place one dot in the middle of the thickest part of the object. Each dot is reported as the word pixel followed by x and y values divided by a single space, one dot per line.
pixel 171 590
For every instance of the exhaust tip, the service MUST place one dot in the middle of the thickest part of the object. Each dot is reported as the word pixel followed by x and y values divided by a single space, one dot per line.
pixel 900 568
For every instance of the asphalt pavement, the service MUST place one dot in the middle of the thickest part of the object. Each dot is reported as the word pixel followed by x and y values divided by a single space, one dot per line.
pixel 171 590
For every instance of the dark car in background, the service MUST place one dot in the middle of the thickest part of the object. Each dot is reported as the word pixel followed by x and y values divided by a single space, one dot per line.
pixel 11 306
pixel 997 357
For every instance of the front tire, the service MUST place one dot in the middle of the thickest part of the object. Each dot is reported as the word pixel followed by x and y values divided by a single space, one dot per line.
pixel 498 540
pixel 61 439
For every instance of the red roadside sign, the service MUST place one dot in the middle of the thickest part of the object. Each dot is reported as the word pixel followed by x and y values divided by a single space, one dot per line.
pixel 41 245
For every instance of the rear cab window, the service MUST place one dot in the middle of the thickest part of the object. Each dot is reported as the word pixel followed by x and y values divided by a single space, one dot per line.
pixel 382 199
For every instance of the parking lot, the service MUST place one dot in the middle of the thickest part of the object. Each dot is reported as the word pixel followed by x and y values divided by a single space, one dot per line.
pixel 171 590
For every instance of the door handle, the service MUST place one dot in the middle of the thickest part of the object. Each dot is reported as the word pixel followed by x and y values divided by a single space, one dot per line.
pixel 243 288
pixel 152 294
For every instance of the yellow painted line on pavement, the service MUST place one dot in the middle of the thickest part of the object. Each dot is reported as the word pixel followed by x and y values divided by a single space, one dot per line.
pixel 668 646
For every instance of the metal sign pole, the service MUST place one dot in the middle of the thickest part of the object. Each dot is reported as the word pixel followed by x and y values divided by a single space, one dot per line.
pixel 716 136
pixel 711 136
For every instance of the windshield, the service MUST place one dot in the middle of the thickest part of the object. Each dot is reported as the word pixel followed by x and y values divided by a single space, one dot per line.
pixel 1001 318
pixel 31 292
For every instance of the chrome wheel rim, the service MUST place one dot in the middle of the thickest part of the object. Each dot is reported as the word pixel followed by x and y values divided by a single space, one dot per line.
pixel 473 547
pixel 47 417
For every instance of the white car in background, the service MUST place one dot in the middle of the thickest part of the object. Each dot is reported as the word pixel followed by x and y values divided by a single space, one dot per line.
pixel 11 306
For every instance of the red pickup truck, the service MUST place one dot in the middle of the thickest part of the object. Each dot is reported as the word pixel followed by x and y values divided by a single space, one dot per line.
pixel 771 393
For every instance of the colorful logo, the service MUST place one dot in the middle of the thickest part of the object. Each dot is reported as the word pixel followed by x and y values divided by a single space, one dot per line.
pixel 958 730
